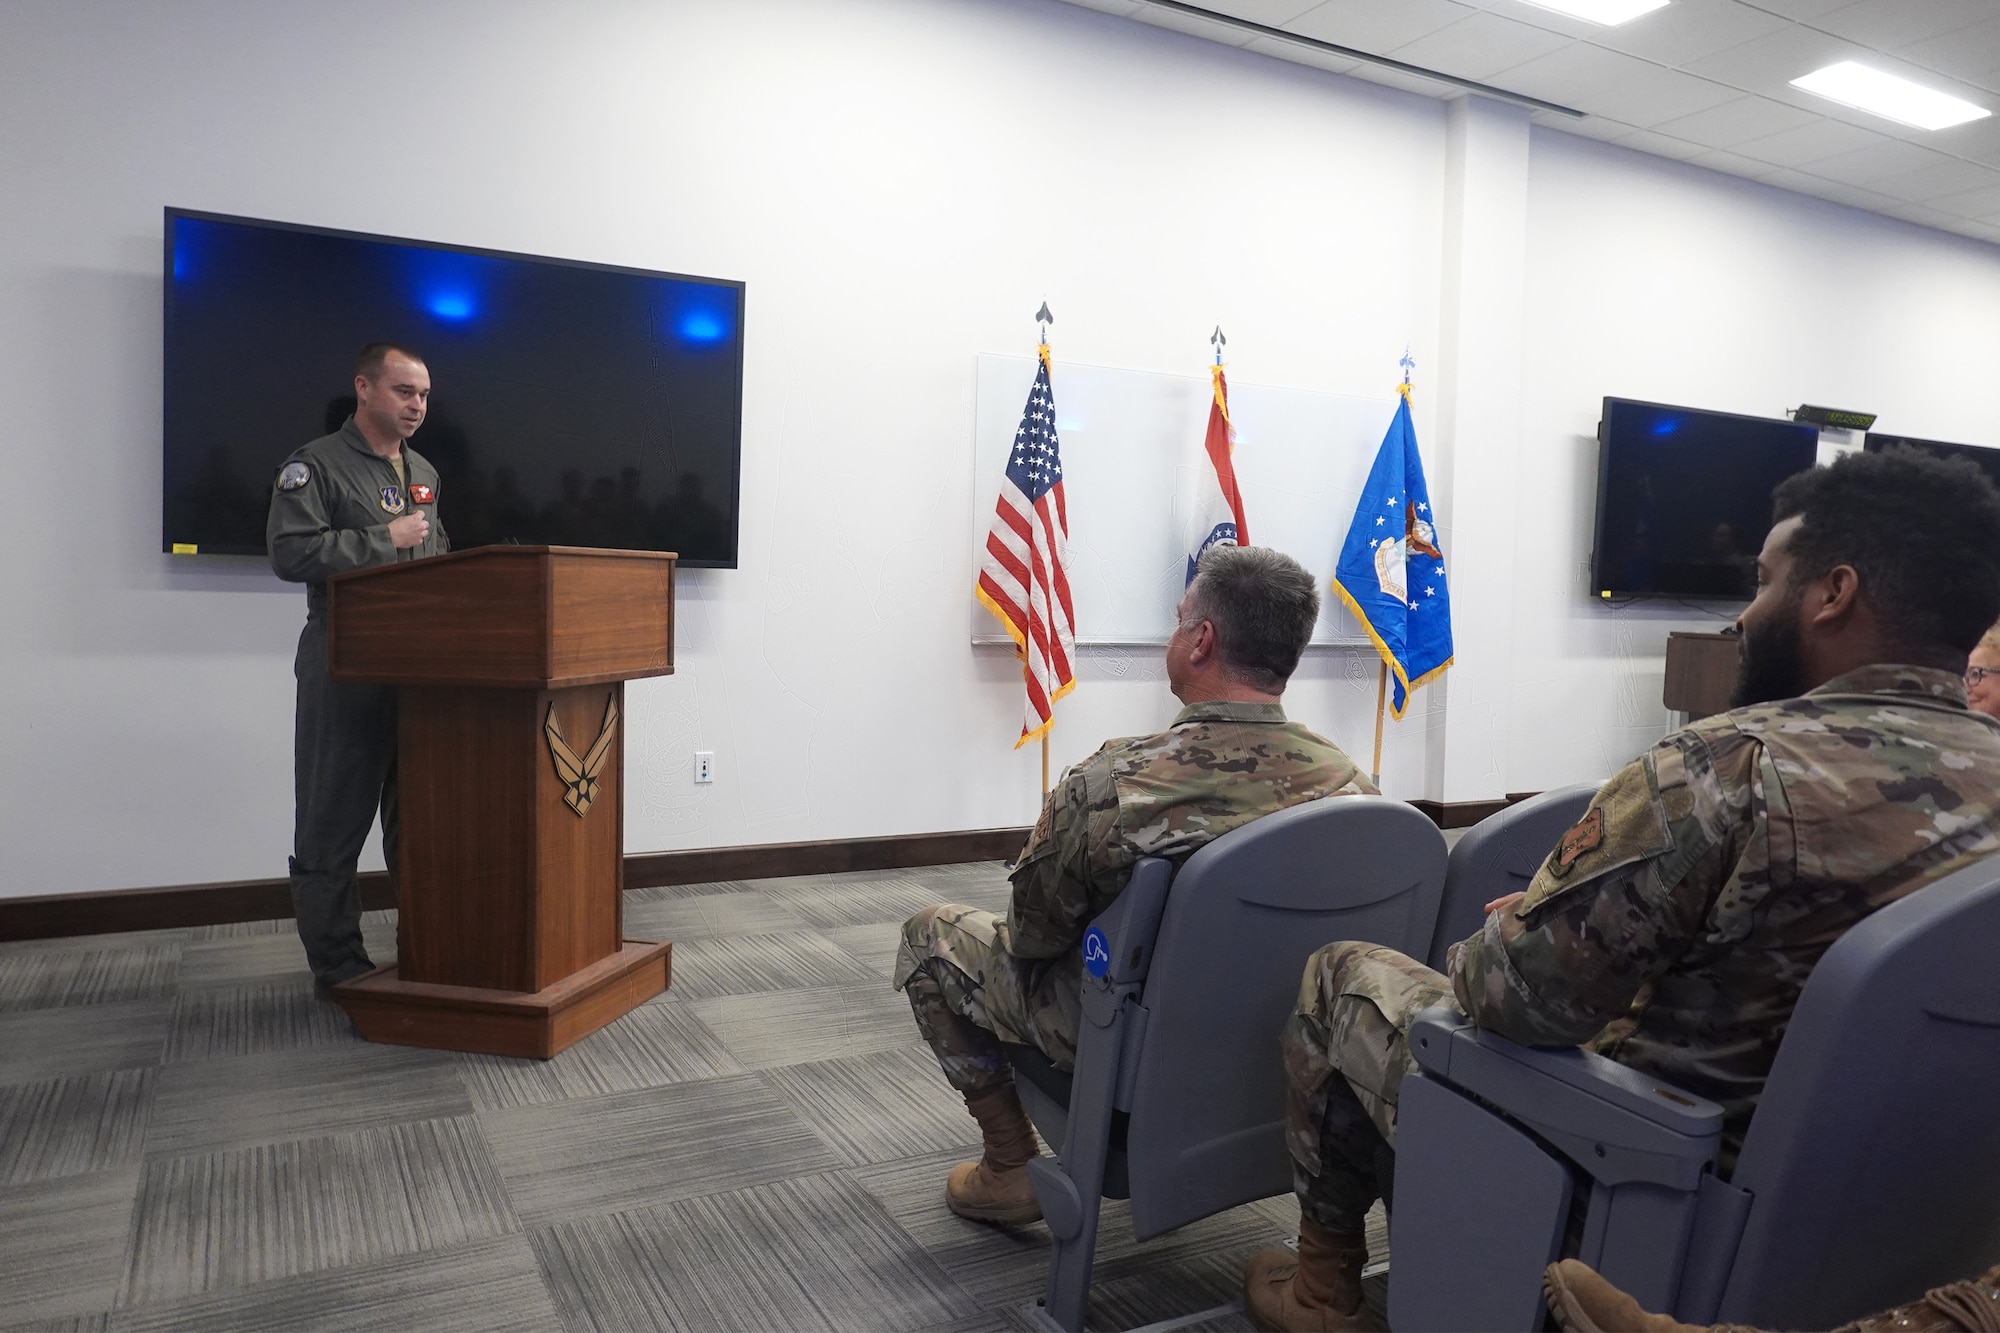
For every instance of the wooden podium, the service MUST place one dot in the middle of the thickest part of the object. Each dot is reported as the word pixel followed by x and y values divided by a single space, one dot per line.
pixel 511 763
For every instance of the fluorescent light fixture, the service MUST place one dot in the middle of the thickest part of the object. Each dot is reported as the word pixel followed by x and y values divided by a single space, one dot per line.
pixel 1610 13
pixel 1885 95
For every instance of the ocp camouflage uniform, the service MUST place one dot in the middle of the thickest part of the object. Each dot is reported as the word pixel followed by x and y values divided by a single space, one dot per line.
pixel 327 519
pixel 1673 928
pixel 975 976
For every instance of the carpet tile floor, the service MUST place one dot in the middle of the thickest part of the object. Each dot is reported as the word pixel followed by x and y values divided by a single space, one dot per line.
pixel 191 1137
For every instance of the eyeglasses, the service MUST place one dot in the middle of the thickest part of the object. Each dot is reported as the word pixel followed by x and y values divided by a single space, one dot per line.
pixel 1974 675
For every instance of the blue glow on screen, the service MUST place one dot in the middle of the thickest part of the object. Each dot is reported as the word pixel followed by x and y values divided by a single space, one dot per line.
pixel 451 305
pixel 699 313
pixel 1666 425
pixel 450 287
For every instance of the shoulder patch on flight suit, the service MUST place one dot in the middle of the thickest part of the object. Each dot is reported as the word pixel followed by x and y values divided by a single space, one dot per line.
pixel 294 475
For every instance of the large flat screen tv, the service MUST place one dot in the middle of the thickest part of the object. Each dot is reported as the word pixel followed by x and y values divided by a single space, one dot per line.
pixel 1684 498
pixel 571 404
pixel 1986 459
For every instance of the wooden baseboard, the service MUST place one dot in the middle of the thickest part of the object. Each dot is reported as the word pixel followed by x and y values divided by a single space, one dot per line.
pixel 1464 814
pixel 270 899
pixel 181 905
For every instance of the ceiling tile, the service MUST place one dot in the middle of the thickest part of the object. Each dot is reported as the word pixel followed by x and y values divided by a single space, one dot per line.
pixel 1122 8
pixel 1785 178
pixel 1377 28
pixel 1978 140
pixel 1767 64
pixel 1480 46
pixel 1980 203
pixel 1614 84
pixel 1301 55
pixel 1175 21
pixel 1738 122
pixel 1688 30
pixel 1887 25
pixel 1809 143
pixel 1946 176
pixel 1409 83
pixel 1661 145
pixel 1270 13
pixel 1852 195
pixel 1803 10
pixel 1922 216
pixel 1876 164
pixel 1562 24
pixel 1590 127
pixel 1730 164
pixel 1971 54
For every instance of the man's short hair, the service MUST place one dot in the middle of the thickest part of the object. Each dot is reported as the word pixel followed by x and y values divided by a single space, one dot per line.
pixel 1923 532
pixel 1263 605
pixel 368 362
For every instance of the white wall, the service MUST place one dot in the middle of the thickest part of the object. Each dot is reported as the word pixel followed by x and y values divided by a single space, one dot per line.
pixel 900 182
pixel 1651 279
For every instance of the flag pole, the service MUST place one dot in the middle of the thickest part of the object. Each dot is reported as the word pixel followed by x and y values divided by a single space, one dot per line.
pixel 1045 763
pixel 1381 705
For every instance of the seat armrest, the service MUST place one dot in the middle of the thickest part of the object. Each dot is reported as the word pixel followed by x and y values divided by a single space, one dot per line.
pixel 1617 1123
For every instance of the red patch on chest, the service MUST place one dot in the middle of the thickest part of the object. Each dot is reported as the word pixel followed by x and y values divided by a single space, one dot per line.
pixel 423 495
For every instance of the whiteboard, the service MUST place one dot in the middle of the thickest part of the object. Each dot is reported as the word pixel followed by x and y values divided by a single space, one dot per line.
pixel 1128 440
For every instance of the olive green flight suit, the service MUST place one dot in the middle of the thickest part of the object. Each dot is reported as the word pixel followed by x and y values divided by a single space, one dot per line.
pixel 331 505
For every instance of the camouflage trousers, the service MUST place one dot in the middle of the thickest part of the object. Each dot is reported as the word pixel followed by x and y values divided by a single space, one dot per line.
pixel 1346 1051
pixel 970 993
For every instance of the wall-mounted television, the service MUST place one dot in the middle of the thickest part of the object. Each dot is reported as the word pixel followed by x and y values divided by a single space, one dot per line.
pixel 1684 498
pixel 572 404
pixel 1987 459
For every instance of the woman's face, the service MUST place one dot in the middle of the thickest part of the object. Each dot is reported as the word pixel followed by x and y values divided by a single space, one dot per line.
pixel 1982 680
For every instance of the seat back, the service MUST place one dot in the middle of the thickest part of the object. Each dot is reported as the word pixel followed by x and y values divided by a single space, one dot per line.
pixel 1245 912
pixel 1873 1162
pixel 1498 856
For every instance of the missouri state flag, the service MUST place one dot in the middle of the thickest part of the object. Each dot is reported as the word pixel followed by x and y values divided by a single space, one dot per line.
pixel 1218 507
pixel 1391 572
pixel 1024 570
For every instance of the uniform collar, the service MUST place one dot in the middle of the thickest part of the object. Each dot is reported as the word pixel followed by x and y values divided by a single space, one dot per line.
pixel 1221 710
pixel 1926 683
pixel 352 434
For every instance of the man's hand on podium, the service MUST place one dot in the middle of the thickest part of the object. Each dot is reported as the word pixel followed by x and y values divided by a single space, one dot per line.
pixel 409 530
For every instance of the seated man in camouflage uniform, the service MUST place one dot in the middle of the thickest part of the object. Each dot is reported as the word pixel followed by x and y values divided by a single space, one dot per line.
pixel 1674 926
pixel 976 979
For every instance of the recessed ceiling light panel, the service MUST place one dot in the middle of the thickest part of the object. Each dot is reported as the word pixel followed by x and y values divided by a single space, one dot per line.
pixel 1610 13
pixel 1856 85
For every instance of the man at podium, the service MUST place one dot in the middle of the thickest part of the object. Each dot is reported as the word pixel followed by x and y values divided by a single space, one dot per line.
pixel 355 498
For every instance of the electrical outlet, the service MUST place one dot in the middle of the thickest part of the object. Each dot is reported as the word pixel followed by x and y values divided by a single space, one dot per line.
pixel 704 765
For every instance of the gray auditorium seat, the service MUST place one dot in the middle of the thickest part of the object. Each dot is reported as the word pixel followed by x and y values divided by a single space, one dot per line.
pixel 1177 1101
pixel 1871 1170
pixel 1498 856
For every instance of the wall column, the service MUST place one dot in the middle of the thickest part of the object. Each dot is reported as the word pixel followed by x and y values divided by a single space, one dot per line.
pixel 1472 465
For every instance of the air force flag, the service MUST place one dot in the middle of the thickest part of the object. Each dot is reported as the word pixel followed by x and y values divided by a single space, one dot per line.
pixel 1391 572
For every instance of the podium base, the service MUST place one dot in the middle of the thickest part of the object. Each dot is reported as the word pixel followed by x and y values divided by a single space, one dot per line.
pixel 386 1008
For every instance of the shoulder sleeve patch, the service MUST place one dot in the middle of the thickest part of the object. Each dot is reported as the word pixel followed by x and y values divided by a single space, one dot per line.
pixel 1587 835
pixel 293 475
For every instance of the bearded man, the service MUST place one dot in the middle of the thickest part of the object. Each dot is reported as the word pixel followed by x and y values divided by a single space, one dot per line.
pixel 1674 926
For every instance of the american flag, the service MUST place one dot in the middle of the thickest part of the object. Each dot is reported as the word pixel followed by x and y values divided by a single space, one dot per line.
pixel 1024 572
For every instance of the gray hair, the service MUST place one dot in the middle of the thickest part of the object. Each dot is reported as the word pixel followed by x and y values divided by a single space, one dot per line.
pixel 1263 605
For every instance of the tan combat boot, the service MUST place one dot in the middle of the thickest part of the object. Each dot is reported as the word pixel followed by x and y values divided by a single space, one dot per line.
pixel 1317 1290
pixel 996 1188
pixel 1583 1302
